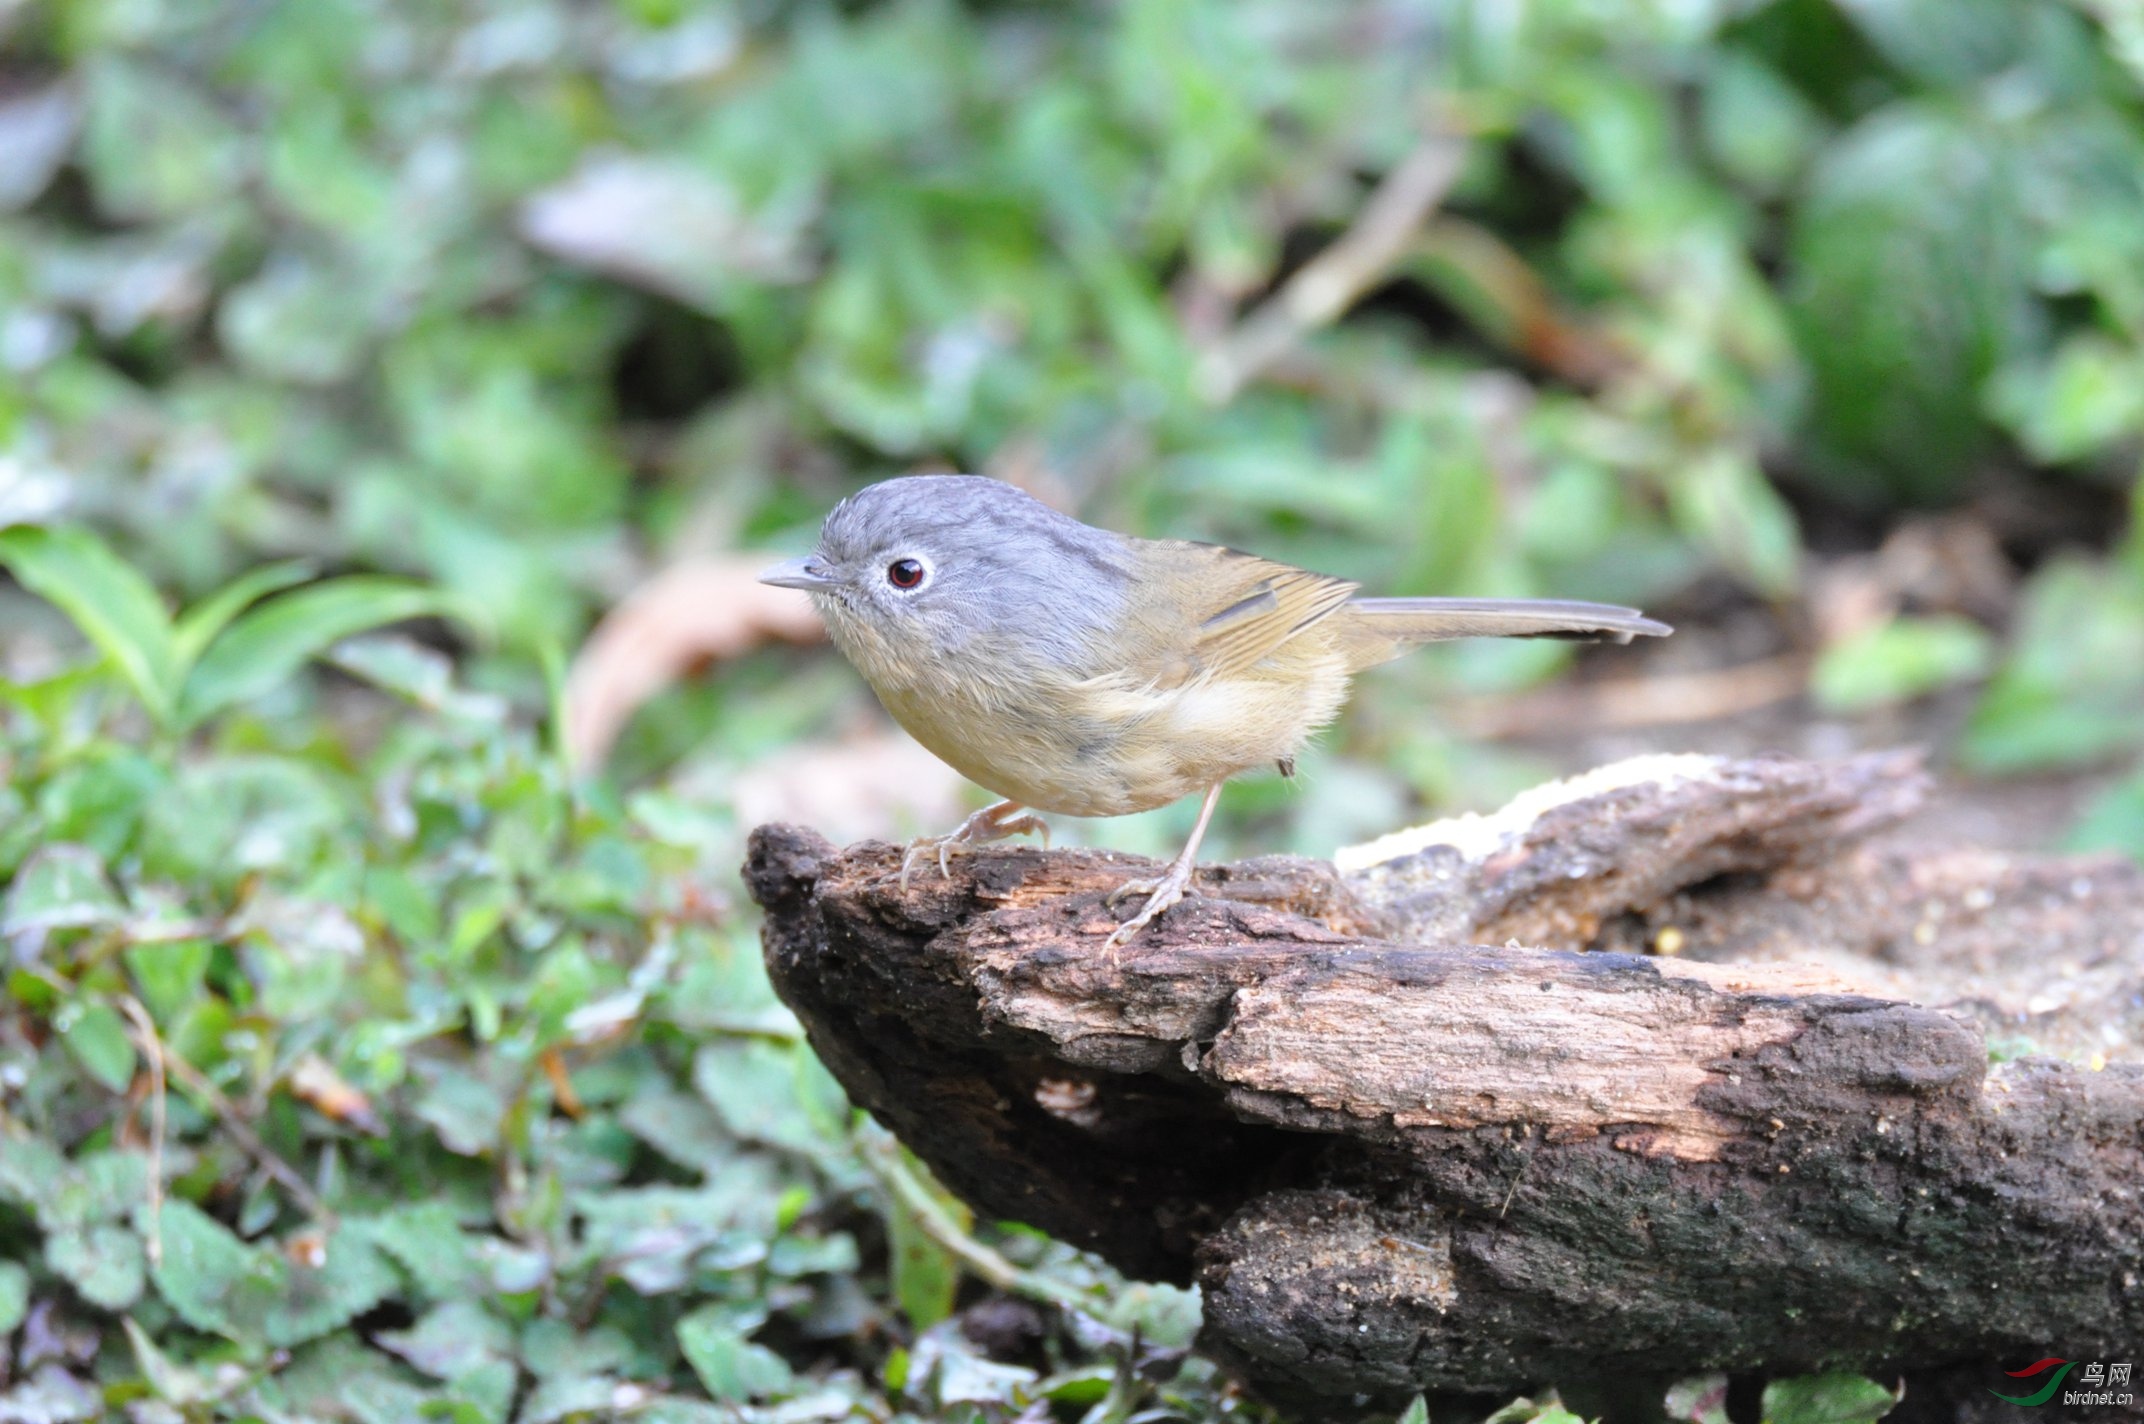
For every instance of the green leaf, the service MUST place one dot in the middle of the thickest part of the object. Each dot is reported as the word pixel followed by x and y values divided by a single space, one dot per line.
pixel 259 1295
pixel 793 1256
pixel 198 626
pixel 299 321
pixel 214 1281
pixel 113 606
pixel 267 645
pixel 97 1187
pixel 730 1366
pixel 60 887
pixel 153 145
pixel 2086 401
pixel 485 1393
pixel 97 1037
pixel 1084 1388
pixel 1901 310
pixel 2114 820
pixel 1828 1399
pixel 563 1397
pixel 466 1345
pixel 468 1112
pixel 341 1378
pixel 556 1349
pixel 1417 1412
pixel 1900 659
pixel 104 1263
pixel 227 817
pixel 2068 692
pixel 1760 127
pixel 174 1383
pixel 99 800
pixel 754 1086
pixel 1527 1411
pixel 452 1340
pixel 53 700
pixel 925 1275
pixel 1944 41
pixel 1722 500
pixel 14 1295
pixel 426 1240
pixel 31 1171
pixel 168 974
pixel 350 1277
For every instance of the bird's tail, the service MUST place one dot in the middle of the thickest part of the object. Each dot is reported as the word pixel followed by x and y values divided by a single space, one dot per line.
pixel 1375 630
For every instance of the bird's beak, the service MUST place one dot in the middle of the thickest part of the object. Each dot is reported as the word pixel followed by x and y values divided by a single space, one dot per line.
pixel 803 573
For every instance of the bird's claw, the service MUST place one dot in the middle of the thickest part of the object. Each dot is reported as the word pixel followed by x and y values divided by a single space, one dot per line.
pixel 943 848
pixel 920 850
pixel 993 823
pixel 1162 891
pixel 1146 885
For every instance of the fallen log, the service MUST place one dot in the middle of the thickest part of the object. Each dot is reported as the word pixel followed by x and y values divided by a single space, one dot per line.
pixel 1424 1121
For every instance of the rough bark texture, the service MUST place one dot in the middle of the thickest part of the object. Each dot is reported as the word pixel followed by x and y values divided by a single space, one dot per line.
pixel 1397 1158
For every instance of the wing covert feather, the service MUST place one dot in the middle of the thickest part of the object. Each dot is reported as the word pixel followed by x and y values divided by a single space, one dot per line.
pixel 1216 612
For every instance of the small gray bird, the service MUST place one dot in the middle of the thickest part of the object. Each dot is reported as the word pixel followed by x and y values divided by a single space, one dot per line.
pixel 1075 670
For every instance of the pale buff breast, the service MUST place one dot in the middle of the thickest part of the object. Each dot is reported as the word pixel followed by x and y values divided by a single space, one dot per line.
pixel 1105 747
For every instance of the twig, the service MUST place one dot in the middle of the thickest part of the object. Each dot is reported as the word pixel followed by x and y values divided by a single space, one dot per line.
pixel 1512 1195
pixel 197 1083
pixel 882 1154
pixel 152 1048
pixel 1329 283
pixel 1515 306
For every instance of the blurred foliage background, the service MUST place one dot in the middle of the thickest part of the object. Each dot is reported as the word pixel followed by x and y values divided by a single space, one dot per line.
pixel 360 1059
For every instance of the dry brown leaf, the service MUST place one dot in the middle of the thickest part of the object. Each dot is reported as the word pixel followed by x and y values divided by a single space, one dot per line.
pixel 670 227
pixel 876 782
pixel 1947 563
pixel 686 616
pixel 316 1084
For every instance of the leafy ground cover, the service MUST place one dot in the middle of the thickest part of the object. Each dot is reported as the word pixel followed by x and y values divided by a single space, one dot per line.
pixel 411 1078
pixel 359 1059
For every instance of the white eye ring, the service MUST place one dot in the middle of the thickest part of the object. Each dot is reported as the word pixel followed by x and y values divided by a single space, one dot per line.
pixel 908 573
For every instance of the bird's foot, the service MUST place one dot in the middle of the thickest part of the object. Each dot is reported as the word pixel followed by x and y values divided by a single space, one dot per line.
pixel 992 823
pixel 1161 892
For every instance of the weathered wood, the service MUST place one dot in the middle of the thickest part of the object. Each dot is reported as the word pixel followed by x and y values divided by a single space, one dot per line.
pixel 1395 1158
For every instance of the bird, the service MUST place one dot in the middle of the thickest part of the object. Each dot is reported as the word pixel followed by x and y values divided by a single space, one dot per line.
pixel 1077 671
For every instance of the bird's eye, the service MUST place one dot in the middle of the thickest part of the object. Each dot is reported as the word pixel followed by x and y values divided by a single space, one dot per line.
pixel 905 573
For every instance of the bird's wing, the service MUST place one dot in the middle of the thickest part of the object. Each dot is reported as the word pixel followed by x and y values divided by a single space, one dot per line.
pixel 1214 612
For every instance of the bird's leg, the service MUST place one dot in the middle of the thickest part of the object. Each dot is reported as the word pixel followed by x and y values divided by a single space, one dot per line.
pixel 1169 887
pixel 992 823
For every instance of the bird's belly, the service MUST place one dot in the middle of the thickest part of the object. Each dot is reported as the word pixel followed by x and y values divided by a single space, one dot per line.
pixel 1096 750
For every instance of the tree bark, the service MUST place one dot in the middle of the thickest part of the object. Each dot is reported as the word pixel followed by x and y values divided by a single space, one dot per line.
pixel 1425 1122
